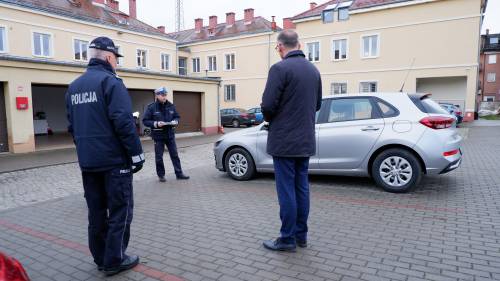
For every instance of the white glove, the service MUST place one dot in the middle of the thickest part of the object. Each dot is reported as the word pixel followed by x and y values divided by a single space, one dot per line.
pixel 174 122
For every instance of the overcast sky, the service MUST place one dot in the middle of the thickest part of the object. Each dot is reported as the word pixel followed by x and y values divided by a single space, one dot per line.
pixel 162 12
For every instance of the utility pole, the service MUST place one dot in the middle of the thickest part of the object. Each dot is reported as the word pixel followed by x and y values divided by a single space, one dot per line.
pixel 179 15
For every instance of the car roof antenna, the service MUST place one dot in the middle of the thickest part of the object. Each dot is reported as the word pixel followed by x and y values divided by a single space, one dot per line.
pixel 407 73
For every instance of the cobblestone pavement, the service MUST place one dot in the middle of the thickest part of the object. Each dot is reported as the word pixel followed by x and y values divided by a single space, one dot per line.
pixel 211 227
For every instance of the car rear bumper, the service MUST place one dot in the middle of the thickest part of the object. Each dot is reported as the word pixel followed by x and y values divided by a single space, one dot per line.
pixel 453 165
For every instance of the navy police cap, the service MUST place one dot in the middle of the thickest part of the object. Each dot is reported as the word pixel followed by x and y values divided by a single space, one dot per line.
pixel 105 44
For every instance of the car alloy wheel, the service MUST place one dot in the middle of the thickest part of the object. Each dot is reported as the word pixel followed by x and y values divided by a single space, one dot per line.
pixel 396 171
pixel 238 164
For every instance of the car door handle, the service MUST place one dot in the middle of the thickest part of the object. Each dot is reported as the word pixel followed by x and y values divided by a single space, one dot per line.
pixel 367 129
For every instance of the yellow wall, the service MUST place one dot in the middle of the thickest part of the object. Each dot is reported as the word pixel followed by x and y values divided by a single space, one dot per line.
pixel 442 36
pixel 253 57
pixel 22 75
pixel 20 25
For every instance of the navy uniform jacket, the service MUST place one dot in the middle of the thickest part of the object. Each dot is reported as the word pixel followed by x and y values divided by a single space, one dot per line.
pixel 161 112
pixel 289 103
pixel 100 119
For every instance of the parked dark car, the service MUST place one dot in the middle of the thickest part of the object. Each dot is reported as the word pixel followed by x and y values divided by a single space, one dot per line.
pixel 453 110
pixel 236 117
pixel 259 117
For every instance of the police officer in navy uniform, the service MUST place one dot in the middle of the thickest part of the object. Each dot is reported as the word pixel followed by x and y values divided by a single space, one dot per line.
pixel 109 151
pixel 162 118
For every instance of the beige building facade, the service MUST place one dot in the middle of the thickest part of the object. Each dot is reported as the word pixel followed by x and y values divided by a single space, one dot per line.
pixel 43 51
pixel 239 52
pixel 430 45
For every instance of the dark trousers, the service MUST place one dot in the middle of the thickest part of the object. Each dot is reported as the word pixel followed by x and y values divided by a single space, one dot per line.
pixel 174 156
pixel 292 185
pixel 110 202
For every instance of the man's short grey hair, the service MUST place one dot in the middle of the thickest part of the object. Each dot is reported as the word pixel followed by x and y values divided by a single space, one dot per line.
pixel 289 39
pixel 98 54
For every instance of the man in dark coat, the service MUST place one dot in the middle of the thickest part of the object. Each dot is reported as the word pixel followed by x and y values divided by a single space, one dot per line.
pixel 109 151
pixel 290 101
pixel 162 117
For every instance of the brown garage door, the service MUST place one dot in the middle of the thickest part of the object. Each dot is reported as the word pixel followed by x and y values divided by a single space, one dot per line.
pixel 188 104
pixel 4 146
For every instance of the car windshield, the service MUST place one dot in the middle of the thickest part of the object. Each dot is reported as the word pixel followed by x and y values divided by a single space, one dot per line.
pixel 427 105
pixel 432 106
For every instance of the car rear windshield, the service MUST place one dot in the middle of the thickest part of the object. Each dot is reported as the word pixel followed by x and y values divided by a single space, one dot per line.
pixel 427 105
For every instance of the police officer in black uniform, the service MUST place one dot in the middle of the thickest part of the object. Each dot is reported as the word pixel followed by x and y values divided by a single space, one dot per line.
pixel 109 151
pixel 162 118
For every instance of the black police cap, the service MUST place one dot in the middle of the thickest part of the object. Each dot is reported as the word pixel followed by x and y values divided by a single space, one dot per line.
pixel 105 44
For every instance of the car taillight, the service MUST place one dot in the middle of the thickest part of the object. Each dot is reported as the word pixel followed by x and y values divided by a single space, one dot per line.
pixel 437 122
pixel 451 153
pixel 458 113
pixel 244 115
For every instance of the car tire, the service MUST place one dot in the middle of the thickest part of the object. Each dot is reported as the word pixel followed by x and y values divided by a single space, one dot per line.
pixel 396 170
pixel 236 123
pixel 239 164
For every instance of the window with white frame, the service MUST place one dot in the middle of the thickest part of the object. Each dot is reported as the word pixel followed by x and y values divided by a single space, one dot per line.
pixel 119 60
pixel 229 92
pixel 368 87
pixel 343 13
pixel 42 44
pixel 142 58
pixel 81 48
pixel 489 98
pixel 493 40
pixel 165 62
pixel 339 49
pixel 3 39
pixel 338 88
pixel 370 46
pixel 183 64
pixel 196 65
pixel 328 16
pixel 492 77
pixel 230 62
pixel 212 63
pixel 492 59
pixel 313 51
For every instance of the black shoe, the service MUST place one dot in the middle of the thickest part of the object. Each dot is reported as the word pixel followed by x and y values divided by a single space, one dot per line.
pixel 162 179
pixel 182 177
pixel 302 243
pixel 100 268
pixel 128 263
pixel 278 245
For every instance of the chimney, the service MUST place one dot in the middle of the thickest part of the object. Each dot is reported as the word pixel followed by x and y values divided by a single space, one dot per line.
pixel 230 19
pixel 249 15
pixel 312 5
pixel 288 24
pixel 212 22
pixel 198 25
pixel 487 31
pixel 132 9
pixel 113 4
pixel 274 27
pixel 161 28
pixel 99 3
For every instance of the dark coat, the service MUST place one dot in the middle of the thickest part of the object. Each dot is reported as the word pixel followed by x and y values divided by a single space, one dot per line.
pixel 290 101
pixel 161 112
pixel 100 119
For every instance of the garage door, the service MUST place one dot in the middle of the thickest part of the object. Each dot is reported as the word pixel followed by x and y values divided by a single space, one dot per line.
pixel 188 104
pixel 445 89
pixel 4 146
pixel 140 100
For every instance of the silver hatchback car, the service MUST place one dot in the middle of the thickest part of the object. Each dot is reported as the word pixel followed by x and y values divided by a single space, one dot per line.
pixel 395 138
